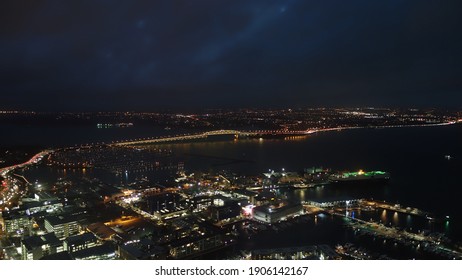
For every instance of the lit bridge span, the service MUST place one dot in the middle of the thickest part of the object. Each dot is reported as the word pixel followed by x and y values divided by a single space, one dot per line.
pixel 204 135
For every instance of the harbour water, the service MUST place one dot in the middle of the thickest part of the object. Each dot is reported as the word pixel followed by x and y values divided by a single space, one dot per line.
pixel 421 175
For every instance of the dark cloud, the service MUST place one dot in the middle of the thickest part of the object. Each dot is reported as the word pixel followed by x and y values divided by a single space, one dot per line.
pixel 154 54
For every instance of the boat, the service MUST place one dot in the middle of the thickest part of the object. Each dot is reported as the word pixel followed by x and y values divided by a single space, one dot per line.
pixel 304 186
pixel 123 125
pixel 360 176
pixel 300 186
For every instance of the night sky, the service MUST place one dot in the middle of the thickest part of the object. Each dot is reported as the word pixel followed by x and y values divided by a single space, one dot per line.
pixel 150 55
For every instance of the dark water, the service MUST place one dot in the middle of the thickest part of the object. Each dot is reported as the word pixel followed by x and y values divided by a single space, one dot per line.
pixel 420 175
pixel 326 229
pixel 59 136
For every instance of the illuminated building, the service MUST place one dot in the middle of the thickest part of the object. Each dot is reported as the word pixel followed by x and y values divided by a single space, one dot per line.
pixel 200 203
pixel 314 252
pixel 14 224
pixel 101 252
pixel 36 247
pixel 80 242
pixel 33 207
pixel 42 202
pixel 264 198
pixel 62 226
pixel 164 206
pixel 193 246
pixel 290 253
pixel 101 231
pixel 249 195
pixel 168 214
pixel 168 201
pixel 230 209
pixel 275 213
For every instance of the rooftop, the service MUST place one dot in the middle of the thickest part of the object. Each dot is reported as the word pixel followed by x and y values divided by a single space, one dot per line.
pixel 81 239
pixel 96 251
pixel 58 256
pixel 40 240
pixel 189 239
pixel 275 208
pixel 62 219
pixel 101 230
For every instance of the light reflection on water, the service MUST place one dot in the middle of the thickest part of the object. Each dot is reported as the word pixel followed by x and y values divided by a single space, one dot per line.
pixel 395 219
pixel 383 217
pixel 408 220
pixel 414 172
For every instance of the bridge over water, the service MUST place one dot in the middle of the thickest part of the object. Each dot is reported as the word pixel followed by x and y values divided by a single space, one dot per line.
pixel 204 135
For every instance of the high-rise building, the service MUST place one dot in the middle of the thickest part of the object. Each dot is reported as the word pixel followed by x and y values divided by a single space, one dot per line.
pixel 62 226
pixel 15 224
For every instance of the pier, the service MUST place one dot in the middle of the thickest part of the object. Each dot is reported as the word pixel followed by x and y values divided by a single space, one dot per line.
pixel 397 208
